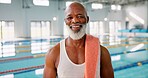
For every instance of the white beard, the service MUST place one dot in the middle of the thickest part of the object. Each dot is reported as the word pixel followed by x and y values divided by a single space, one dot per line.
pixel 77 35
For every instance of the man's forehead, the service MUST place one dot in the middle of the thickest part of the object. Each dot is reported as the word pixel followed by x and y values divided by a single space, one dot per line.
pixel 75 7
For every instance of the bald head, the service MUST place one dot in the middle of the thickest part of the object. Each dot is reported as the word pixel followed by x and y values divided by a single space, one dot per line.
pixel 76 6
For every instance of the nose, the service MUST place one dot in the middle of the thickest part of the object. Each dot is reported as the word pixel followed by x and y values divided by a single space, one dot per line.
pixel 75 20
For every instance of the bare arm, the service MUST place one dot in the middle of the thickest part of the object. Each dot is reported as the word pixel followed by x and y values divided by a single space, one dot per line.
pixel 50 69
pixel 106 66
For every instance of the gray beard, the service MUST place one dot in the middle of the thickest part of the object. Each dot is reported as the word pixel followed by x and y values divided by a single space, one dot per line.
pixel 77 35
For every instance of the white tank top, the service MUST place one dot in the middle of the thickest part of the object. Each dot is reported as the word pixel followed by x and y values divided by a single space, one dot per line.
pixel 68 69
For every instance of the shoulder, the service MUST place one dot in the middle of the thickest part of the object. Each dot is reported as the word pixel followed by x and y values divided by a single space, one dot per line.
pixel 103 49
pixel 53 54
pixel 105 55
pixel 106 65
pixel 55 49
pixel 50 62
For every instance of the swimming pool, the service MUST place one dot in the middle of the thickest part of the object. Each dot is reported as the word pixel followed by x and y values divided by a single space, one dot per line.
pixel 129 57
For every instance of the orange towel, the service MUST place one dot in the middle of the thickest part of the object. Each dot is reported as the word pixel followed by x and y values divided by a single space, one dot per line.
pixel 92 48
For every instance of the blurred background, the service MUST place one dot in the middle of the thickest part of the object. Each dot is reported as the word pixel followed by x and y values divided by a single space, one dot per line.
pixel 29 28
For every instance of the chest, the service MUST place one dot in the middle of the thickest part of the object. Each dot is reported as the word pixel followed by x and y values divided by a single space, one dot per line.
pixel 76 55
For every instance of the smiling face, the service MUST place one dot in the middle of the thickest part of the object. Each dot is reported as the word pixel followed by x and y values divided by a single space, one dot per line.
pixel 76 19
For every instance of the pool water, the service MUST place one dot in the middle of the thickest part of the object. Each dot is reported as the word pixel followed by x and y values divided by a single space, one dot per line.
pixel 129 57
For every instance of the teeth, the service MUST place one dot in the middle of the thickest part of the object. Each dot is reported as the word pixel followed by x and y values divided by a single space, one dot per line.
pixel 75 26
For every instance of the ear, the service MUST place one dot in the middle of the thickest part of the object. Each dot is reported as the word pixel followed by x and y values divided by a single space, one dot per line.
pixel 65 21
pixel 87 19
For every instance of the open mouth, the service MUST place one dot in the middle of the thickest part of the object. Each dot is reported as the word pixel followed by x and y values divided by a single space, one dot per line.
pixel 76 27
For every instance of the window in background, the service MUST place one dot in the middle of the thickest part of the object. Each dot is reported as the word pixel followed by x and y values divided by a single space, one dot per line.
pixel 114 26
pixel 118 7
pixel 115 7
pixel 97 6
pixel 101 28
pixel 40 29
pixel 6 33
pixel 5 1
pixel 94 28
pixel 41 2
pixel 6 29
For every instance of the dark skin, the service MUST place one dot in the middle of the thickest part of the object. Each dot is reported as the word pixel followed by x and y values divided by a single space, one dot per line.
pixel 75 49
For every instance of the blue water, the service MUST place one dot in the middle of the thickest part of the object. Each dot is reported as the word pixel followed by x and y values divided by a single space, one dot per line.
pixel 120 60
pixel 134 72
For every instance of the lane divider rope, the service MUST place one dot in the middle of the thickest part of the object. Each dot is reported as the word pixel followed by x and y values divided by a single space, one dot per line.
pixel 140 63
pixel 27 69
pixel 42 55
pixel 20 70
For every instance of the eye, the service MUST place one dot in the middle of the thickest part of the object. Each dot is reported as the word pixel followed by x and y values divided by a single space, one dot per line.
pixel 69 18
pixel 80 16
